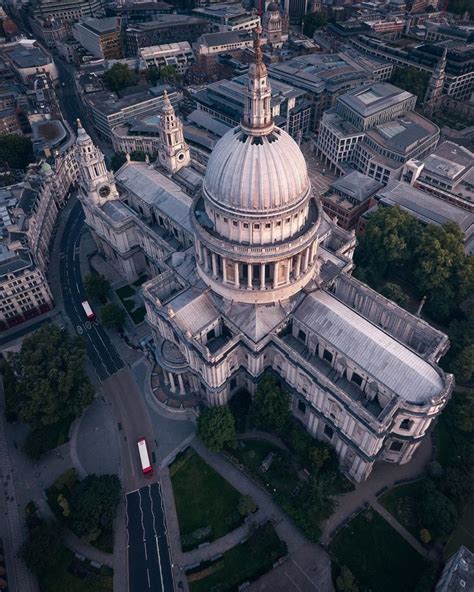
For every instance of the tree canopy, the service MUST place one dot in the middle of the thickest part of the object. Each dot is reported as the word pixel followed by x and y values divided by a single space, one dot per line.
pixel 112 316
pixel 119 76
pixel 117 160
pixel 412 80
pixel 51 382
pixel 152 75
pixel 430 258
pixel 169 73
pixel 43 548
pixel 437 512
pixel 270 409
pixel 216 427
pixel 313 21
pixel 93 504
pixel 16 151
pixel 96 286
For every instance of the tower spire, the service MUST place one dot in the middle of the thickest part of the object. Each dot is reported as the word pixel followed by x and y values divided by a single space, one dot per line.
pixel 257 119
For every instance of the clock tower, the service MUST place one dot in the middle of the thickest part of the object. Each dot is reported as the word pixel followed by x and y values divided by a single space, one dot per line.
pixel 95 181
pixel 173 153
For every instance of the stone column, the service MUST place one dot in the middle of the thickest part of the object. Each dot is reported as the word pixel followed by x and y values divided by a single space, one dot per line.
pixel 275 274
pixel 298 266
pixel 172 383
pixel 236 274
pixel 249 276
pixel 182 390
pixel 288 267
pixel 224 269
pixel 214 265
pixel 262 276
pixel 306 260
pixel 206 259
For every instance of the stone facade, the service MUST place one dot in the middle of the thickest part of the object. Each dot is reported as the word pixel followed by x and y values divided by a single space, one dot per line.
pixel 249 275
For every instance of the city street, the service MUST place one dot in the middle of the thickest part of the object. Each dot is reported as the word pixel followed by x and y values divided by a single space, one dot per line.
pixel 102 354
pixel 148 550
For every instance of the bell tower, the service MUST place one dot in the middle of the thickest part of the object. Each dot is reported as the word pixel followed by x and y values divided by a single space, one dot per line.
pixel 173 153
pixel 95 181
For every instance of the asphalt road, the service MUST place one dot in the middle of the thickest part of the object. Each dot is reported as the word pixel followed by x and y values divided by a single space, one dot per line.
pixel 102 354
pixel 148 551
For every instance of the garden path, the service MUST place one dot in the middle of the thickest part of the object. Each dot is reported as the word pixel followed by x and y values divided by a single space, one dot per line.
pixel 384 476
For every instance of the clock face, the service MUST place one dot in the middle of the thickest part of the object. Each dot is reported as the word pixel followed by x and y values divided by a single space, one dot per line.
pixel 104 191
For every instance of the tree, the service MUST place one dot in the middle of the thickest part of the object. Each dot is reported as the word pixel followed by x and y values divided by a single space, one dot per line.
pixel 443 271
pixel 388 241
pixel 345 582
pixel 52 385
pixel 394 292
pixel 138 155
pixel 462 411
pixel 169 74
pixel 152 75
pixel 270 409
pixel 458 483
pixel 117 160
pixel 43 549
pixel 93 505
pixel 313 21
pixel 437 512
pixel 412 80
pixel 425 536
pixel 246 505
pixel 96 286
pixel 16 152
pixel 460 6
pixel 319 455
pixel 216 427
pixel 463 364
pixel 119 76
pixel 112 316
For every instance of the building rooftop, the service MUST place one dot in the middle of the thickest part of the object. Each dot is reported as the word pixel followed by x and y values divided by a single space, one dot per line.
pixel 223 38
pixel 107 102
pixel 374 98
pixel 165 48
pixel 157 190
pixel 101 25
pixel 356 185
pixel 404 133
pixel 163 21
pixel 427 208
pixel 388 362
pixel 458 574
pixel 449 162
pixel 316 72
pixel 27 56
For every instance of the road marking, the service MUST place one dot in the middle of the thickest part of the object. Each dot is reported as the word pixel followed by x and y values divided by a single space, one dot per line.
pixel 306 575
pixel 80 330
pixel 87 325
pixel 293 582
pixel 148 576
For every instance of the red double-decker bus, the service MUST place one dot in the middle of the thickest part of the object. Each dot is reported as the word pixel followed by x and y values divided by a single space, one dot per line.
pixel 88 310
pixel 144 457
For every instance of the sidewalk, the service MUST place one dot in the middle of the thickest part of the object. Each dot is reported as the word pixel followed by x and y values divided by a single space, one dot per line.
pixel 384 475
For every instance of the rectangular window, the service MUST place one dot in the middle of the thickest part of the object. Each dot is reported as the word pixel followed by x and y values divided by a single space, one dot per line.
pixel 301 407
pixel 356 379
pixel 406 424
pixel 396 446
pixel 327 355
pixel 329 432
pixel 302 335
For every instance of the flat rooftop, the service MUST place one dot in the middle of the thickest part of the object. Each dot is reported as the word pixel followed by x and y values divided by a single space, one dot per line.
pixel 101 25
pixel 427 208
pixel 27 56
pixel 374 98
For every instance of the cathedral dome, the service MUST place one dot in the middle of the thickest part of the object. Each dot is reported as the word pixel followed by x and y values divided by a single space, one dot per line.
pixel 256 173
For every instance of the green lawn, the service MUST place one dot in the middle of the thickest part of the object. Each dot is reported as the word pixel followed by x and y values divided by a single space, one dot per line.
pixel 380 559
pixel 76 576
pixel 244 562
pixel 401 502
pixel 206 504
pixel 281 475
pixel 126 293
